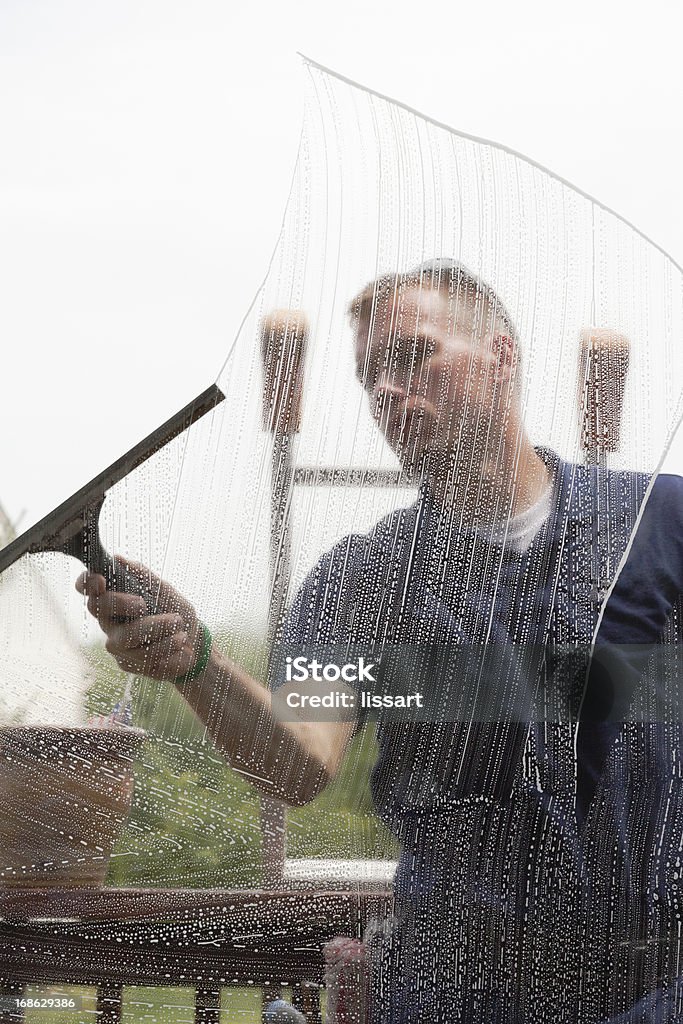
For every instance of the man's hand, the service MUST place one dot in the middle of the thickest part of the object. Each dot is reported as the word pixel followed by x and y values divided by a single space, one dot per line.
pixel 162 645
pixel 291 761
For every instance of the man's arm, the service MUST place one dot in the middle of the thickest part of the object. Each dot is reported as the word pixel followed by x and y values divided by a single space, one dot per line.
pixel 290 761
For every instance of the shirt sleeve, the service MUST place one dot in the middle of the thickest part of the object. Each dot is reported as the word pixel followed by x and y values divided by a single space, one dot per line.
pixel 634 617
pixel 323 618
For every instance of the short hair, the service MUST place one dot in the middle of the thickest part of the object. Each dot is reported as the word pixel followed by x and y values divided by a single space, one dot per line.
pixel 448 276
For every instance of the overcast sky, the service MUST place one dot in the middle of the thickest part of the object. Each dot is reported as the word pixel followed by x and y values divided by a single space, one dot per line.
pixel 147 150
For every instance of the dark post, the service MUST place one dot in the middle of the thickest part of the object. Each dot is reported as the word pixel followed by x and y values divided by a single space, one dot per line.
pixel 284 334
pixel 603 366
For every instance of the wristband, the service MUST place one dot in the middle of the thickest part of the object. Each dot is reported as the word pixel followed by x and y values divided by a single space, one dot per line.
pixel 201 662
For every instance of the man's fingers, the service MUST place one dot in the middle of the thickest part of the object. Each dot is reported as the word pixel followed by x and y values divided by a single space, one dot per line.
pixel 150 629
pixel 170 657
pixel 162 645
pixel 109 607
pixel 126 567
pixel 90 584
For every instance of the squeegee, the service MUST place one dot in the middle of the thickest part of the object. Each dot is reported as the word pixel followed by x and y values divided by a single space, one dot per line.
pixel 73 527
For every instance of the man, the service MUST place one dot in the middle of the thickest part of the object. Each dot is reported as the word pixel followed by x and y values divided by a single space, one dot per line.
pixel 506 910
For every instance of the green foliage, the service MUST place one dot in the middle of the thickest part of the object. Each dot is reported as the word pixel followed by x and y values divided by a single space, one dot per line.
pixel 342 822
pixel 194 822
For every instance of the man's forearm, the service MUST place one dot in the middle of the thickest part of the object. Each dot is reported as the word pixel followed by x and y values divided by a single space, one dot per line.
pixel 291 761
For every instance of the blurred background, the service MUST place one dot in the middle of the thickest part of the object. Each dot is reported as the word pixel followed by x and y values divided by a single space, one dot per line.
pixel 148 151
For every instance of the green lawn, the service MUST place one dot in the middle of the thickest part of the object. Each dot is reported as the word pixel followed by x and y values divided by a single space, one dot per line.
pixel 152 1005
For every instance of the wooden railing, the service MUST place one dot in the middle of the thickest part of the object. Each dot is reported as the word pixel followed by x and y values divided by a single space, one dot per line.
pixel 201 939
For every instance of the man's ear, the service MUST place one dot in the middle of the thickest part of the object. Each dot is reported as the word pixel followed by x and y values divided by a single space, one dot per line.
pixel 506 352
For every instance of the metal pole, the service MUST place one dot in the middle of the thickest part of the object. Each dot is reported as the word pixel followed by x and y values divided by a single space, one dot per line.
pixel 603 365
pixel 284 335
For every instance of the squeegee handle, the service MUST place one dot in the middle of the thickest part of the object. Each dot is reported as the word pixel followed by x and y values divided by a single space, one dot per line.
pixel 118 578
pixel 116 575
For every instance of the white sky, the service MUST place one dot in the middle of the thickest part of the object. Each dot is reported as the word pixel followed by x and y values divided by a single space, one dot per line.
pixel 146 154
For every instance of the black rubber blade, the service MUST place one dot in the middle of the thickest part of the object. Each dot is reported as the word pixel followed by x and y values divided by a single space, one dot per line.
pixel 71 527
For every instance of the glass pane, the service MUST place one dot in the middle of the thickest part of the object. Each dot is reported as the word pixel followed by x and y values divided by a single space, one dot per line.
pixel 428 519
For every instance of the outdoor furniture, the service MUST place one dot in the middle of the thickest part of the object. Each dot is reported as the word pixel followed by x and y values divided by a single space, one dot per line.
pixel 201 939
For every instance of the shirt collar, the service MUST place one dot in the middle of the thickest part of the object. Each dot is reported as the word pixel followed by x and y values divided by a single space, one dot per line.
pixel 567 482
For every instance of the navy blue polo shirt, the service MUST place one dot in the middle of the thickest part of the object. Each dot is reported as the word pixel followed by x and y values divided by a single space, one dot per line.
pixel 418 577
pixel 505 909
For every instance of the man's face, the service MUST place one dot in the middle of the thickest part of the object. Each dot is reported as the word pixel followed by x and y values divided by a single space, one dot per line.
pixel 438 378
